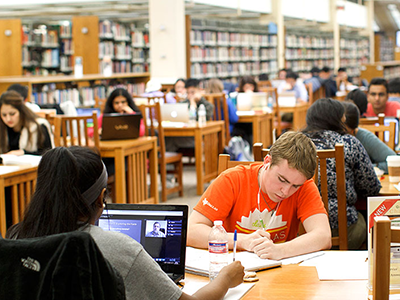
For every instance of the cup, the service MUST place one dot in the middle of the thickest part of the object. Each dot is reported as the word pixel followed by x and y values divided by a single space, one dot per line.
pixel 393 162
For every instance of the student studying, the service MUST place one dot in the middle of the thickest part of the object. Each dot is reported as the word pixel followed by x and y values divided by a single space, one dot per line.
pixel 265 202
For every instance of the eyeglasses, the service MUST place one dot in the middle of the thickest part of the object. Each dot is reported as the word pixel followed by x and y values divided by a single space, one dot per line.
pixel 377 94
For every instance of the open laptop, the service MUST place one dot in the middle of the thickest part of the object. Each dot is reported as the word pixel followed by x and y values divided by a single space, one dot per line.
pixel 175 112
pixel 160 228
pixel 120 126
pixel 251 101
pixel 387 122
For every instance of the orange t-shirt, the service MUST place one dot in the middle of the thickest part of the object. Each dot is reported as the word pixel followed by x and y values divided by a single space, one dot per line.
pixel 232 198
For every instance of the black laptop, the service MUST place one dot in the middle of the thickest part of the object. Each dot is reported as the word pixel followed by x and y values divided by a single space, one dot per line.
pixel 160 228
pixel 120 126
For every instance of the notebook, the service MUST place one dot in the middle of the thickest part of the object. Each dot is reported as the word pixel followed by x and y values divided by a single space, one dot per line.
pixel 251 101
pixel 175 112
pixel 160 228
pixel 120 126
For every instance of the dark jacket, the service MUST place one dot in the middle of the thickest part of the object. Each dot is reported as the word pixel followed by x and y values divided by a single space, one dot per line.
pixel 61 266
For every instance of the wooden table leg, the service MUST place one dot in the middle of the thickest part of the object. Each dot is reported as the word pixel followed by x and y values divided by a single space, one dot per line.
pixel 256 131
pixel 3 223
pixel 120 180
pixel 198 142
pixel 153 168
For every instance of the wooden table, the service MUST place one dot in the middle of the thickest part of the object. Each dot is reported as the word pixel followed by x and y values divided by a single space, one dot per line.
pixel 263 125
pixel 387 187
pixel 209 143
pixel 138 152
pixel 22 183
pixel 299 114
pixel 298 282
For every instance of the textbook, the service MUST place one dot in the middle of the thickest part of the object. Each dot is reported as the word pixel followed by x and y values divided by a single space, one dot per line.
pixel 23 160
pixel 197 261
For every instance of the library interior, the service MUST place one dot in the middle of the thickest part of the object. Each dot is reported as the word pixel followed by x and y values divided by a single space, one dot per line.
pixel 129 128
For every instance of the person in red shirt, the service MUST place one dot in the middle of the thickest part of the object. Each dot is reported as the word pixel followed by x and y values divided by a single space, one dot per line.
pixel 378 99
pixel 265 203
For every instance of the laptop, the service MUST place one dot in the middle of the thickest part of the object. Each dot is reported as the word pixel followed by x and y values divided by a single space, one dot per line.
pixel 120 126
pixel 251 101
pixel 387 122
pixel 175 112
pixel 160 228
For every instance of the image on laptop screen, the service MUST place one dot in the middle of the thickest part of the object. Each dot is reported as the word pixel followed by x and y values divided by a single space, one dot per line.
pixel 160 229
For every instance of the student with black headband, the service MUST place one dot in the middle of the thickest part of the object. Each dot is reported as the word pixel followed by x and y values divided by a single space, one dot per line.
pixel 69 196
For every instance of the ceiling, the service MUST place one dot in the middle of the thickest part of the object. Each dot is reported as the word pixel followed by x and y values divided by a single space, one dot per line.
pixel 383 17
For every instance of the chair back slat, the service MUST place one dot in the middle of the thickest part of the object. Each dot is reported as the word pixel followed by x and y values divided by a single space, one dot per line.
pixel 220 109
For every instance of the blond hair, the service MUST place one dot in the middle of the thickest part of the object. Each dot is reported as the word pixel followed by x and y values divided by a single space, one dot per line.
pixel 214 85
pixel 298 150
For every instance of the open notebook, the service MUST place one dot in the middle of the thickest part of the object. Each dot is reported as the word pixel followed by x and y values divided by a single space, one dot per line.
pixel 197 261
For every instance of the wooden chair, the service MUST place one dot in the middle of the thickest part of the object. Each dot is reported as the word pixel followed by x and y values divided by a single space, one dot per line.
pixel 379 131
pixel 318 94
pixel 383 235
pixel 153 127
pixel 380 119
pixel 225 162
pixel 264 84
pixel 310 93
pixel 73 131
pixel 100 103
pixel 321 173
pixel 220 111
pixel 273 92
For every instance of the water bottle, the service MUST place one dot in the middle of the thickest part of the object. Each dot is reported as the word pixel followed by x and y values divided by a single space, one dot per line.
pixel 202 115
pixel 192 113
pixel 217 249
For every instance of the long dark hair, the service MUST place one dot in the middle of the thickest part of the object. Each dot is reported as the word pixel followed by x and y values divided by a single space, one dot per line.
pixel 247 79
pixel 26 117
pixel 359 98
pixel 57 205
pixel 108 108
pixel 352 114
pixel 325 114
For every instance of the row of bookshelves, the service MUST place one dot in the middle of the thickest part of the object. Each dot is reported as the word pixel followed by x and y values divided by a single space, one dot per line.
pixel 214 38
pixel 222 70
pixel 308 54
pixel 122 51
pixel 302 41
pixel 391 72
pixel 306 65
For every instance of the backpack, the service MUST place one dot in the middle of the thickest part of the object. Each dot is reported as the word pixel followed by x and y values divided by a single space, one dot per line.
pixel 239 149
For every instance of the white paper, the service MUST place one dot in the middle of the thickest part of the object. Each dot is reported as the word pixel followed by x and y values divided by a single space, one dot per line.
pixel 233 294
pixel 30 160
pixel 340 265
pixel 301 258
pixel 8 169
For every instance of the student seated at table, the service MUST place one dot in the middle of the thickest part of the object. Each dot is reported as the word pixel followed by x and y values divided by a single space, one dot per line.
pixel 121 102
pixel 378 99
pixel 265 202
pixel 194 99
pixel 215 85
pixel 292 84
pixel 359 98
pixel 326 127
pixel 178 92
pixel 69 196
pixel 23 91
pixel 21 130
pixel 376 149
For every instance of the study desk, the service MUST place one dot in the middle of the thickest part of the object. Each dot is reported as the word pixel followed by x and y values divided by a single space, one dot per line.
pixel 262 124
pixel 22 182
pixel 132 187
pixel 299 114
pixel 387 187
pixel 209 141
pixel 300 283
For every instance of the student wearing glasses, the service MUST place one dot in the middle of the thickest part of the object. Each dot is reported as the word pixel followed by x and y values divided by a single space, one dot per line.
pixel 378 99
pixel 265 203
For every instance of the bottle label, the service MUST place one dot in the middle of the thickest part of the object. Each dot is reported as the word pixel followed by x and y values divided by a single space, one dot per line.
pixel 217 248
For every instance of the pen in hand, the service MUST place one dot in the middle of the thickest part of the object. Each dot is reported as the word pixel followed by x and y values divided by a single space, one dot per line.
pixel 234 244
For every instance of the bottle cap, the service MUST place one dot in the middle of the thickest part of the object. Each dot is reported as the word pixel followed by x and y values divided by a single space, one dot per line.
pixel 217 222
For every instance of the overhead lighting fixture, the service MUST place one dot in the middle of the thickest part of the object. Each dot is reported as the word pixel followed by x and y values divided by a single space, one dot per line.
pixel 395 14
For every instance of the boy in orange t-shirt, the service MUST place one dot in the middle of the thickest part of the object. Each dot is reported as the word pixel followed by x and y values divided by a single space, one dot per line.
pixel 266 202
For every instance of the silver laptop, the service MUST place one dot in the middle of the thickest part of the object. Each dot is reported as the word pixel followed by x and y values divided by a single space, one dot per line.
pixel 120 126
pixel 251 101
pixel 176 112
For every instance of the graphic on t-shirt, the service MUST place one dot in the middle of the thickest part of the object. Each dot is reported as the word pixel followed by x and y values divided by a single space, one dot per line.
pixel 253 221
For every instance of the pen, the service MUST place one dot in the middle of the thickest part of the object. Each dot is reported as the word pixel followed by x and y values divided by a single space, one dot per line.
pixel 234 244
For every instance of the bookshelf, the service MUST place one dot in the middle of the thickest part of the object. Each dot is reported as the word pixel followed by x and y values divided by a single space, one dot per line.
pixel 354 52
pixel 82 91
pixel 384 48
pixel 387 70
pixel 304 50
pixel 66 48
pixel 140 48
pixel 228 50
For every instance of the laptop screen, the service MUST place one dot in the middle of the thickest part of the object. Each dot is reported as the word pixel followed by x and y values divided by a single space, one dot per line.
pixel 387 121
pixel 160 229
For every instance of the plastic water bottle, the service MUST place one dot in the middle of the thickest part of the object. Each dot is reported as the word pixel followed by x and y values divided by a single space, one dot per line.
pixel 192 114
pixel 217 249
pixel 202 115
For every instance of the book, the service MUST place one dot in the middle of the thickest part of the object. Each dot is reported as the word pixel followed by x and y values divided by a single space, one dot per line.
pixel 30 160
pixel 197 261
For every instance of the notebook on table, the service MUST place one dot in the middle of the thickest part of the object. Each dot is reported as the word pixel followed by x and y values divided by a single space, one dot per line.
pixel 120 126
pixel 174 113
pixel 160 228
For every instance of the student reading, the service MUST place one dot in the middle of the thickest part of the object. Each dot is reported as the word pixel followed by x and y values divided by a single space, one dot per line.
pixel 69 196
pixel 21 130
pixel 265 202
